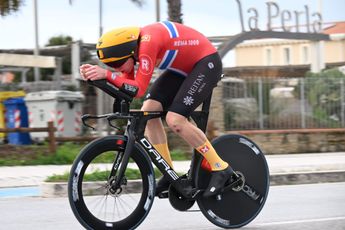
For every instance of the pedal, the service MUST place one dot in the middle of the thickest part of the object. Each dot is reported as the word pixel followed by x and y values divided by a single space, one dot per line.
pixel 237 182
pixel 163 195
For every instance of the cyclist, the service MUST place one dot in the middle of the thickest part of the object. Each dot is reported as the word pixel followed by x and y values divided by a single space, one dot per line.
pixel 192 69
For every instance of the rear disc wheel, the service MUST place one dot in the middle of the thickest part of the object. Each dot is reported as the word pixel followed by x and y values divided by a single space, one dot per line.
pixel 236 207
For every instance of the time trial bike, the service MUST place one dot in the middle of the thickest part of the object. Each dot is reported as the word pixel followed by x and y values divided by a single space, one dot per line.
pixel 103 195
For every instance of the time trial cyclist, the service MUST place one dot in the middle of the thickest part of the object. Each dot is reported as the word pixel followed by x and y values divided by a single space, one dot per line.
pixel 192 68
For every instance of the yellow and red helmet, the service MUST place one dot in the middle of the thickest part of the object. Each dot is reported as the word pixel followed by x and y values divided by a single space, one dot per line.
pixel 116 46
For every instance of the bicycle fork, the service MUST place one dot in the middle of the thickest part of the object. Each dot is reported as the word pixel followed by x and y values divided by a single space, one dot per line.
pixel 123 162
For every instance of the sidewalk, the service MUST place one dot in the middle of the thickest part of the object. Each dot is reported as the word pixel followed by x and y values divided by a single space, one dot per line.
pixel 284 169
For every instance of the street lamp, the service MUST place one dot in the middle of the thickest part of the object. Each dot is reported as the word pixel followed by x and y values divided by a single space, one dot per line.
pixel 36 50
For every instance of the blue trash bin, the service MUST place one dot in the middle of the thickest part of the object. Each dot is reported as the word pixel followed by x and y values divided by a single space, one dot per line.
pixel 17 116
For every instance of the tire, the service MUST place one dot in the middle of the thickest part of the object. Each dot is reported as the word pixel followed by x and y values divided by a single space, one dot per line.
pixel 234 209
pixel 93 203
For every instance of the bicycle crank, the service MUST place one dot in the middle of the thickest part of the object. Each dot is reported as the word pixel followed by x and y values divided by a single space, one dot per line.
pixel 239 182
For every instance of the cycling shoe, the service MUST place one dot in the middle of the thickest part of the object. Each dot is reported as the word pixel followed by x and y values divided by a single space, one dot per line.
pixel 217 181
pixel 184 186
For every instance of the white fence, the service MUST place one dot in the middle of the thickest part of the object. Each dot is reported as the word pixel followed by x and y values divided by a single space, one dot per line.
pixel 284 103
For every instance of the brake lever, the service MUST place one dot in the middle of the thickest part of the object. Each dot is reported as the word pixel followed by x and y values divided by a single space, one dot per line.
pixel 110 118
pixel 111 125
pixel 84 118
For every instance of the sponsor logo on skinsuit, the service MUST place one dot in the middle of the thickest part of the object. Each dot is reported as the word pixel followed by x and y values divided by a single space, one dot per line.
pixel 145 38
pixel 146 65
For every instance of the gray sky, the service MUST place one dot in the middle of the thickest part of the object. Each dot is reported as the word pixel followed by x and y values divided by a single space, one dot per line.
pixel 81 19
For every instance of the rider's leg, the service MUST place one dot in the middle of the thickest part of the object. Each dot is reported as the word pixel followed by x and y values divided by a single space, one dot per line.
pixel 155 131
pixel 157 136
pixel 159 97
pixel 195 89
pixel 221 171
pixel 196 138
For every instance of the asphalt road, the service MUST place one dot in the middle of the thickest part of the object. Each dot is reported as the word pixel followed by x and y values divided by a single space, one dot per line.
pixel 313 206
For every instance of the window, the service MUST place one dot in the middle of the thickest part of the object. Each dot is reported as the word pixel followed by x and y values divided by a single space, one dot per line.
pixel 286 56
pixel 305 55
pixel 268 56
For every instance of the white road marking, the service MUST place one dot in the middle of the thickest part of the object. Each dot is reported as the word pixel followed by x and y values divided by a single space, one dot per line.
pixel 302 221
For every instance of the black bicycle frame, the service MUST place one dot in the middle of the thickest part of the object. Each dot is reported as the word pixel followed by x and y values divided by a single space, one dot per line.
pixel 135 132
pixel 136 128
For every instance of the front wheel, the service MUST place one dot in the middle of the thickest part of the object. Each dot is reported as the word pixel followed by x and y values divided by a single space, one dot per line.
pixel 238 206
pixel 92 196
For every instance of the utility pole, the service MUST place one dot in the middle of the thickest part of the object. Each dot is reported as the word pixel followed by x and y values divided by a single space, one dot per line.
pixel 100 17
pixel 317 51
pixel 75 57
pixel 158 16
pixel 36 50
pixel 100 93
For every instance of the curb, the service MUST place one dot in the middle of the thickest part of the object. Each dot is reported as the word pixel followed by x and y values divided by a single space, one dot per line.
pixel 307 178
pixel 59 189
pixel 51 189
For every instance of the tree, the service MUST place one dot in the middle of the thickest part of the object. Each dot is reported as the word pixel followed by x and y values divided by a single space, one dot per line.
pixel 9 6
pixel 138 2
pixel 323 93
pixel 66 59
pixel 46 74
pixel 174 10
pixel 59 40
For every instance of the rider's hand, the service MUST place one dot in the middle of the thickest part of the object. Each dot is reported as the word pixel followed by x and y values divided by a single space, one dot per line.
pixel 82 70
pixel 92 72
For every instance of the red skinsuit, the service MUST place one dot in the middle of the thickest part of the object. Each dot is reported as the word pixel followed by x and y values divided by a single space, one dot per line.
pixel 165 45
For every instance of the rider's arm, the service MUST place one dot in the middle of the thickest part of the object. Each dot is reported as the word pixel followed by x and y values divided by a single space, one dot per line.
pixel 147 60
pixel 128 75
pixel 137 86
pixel 95 72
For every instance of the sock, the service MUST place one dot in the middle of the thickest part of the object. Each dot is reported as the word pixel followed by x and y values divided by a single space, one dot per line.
pixel 210 154
pixel 163 149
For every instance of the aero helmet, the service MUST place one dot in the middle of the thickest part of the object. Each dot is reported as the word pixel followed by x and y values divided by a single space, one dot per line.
pixel 116 46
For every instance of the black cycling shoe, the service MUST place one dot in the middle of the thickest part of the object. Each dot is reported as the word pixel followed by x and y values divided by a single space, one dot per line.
pixel 162 185
pixel 217 181
pixel 184 186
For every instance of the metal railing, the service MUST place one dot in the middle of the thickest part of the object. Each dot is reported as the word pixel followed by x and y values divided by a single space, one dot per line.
pixel 283 103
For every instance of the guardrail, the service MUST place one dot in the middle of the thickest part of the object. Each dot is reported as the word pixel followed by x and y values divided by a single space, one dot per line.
pixel 50 129
pixel 52 139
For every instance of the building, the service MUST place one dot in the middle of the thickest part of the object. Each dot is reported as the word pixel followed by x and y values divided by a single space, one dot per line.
pixel 270 57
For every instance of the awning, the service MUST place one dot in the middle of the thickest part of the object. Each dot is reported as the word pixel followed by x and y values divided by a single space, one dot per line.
pixel 7 59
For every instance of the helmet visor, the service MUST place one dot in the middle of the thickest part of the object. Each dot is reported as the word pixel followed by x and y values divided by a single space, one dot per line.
pixel 117 64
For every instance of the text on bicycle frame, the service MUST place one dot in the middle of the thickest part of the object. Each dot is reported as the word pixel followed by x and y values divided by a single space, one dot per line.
pixel 159 159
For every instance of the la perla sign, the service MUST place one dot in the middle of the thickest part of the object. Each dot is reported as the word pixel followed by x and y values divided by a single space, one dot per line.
pixel 287 19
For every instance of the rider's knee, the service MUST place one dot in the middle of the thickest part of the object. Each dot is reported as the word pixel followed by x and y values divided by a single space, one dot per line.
pixel 152 105
pixel 175 121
